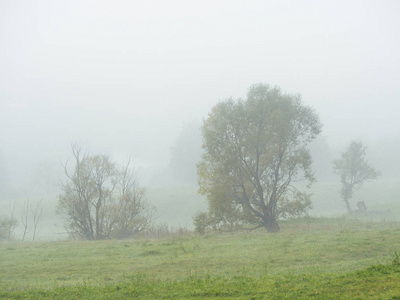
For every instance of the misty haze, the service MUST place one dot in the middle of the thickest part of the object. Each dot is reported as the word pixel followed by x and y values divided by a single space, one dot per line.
pixel 195 126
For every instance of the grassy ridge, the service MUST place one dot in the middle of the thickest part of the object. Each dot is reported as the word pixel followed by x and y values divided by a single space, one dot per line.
pixel 309 258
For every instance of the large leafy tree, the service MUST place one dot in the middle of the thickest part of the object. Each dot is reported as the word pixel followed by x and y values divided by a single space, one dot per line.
pixel 353 169
pixel 100 200
pixel 254 150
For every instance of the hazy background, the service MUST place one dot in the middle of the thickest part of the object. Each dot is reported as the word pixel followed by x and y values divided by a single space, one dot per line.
pixel 127 78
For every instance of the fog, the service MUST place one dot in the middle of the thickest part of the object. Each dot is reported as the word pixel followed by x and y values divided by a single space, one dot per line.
pixel 126 77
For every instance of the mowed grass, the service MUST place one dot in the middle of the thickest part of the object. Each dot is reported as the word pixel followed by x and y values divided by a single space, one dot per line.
pixel 310 258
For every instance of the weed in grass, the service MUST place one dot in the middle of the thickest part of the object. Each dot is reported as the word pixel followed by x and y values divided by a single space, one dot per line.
pixel 396 260
pixel 150 252
pixel 61 278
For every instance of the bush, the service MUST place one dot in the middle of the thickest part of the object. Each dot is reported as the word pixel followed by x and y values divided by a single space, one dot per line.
pixel 7 226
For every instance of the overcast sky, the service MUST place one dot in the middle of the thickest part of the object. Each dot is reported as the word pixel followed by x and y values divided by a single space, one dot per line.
pixel 125 76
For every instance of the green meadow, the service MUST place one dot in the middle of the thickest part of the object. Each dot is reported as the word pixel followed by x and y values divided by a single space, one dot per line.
pixel 325 256
pixel 322 258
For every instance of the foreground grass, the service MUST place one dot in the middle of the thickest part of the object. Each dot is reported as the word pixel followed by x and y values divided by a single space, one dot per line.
pixel 375 282
pixel 321 258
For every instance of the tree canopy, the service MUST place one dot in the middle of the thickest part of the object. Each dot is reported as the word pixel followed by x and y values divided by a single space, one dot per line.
pixel 254 150
pixel 101 200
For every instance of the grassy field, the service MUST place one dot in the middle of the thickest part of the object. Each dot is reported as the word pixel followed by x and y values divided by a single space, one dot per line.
pixel 311 258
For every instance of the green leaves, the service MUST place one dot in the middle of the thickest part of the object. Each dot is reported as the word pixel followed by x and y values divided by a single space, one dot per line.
pixel 253 150
pixel 353 169
pixel 101 200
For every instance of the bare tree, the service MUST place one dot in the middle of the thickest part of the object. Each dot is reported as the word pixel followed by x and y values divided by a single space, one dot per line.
pixel 8 224
pixel 12 221
pixel 100 200
pixel 24 218
pixel 131 213
pixel 37 215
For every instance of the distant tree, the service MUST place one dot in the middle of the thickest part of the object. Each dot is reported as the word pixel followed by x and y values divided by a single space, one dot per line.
pixel 37 215
pixel 382 152
pixel 3 174
pixel 254 150
pixel 8 224
pixel 186 154
pixel 30 214
pixel 353 169
pixel 102 201
pixel 24 214
pixel 44 178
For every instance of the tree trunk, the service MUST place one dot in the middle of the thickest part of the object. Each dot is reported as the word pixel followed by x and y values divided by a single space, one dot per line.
pixel 346 200
pixel 271 224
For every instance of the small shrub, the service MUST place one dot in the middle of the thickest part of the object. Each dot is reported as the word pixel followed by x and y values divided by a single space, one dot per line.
pixel 201 222
pixel 7 226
